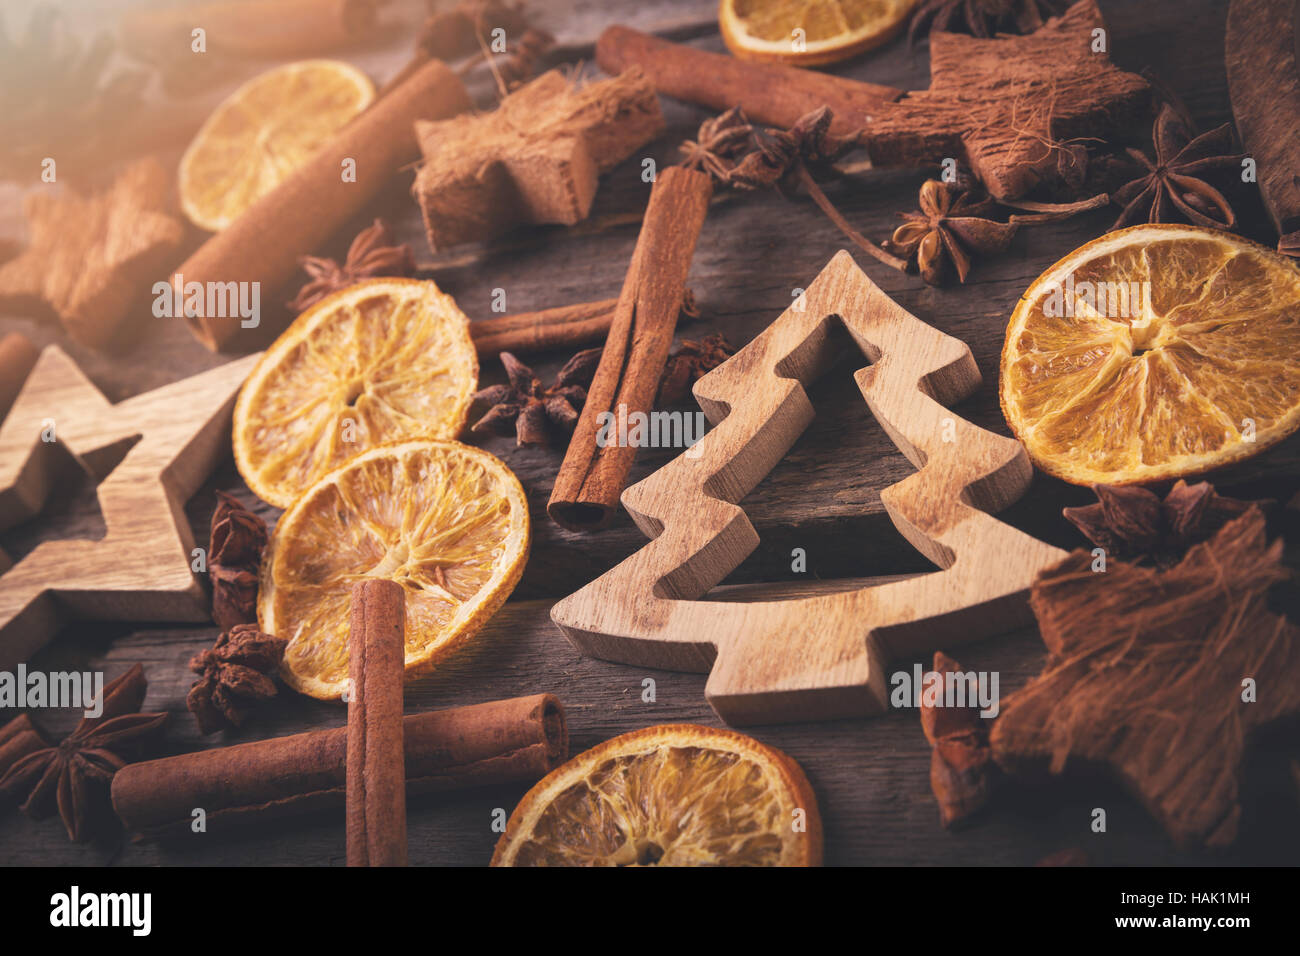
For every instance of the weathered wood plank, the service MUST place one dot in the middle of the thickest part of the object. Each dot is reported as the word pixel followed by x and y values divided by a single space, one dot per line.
pixel 871 776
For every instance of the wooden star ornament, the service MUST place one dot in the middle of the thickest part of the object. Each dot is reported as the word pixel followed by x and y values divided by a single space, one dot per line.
pixel 141 569
pixel 1006 106
pixel 91 257
pixel 535 159
pixel 1160 676
pixel 822 653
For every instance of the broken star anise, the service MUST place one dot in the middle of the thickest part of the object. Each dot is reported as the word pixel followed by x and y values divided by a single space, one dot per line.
pixel 74 775
pixel 233 675
pixel 981 18
pixel 372 253
pixel 1171 185
pixel 234 562
pixel 951 226
pixel 1132 522
pixel 688 364
pixel 524 407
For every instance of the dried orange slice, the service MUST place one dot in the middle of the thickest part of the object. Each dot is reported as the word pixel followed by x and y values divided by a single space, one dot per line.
pixel 446 521
pixel 262 132
pixel 1153 353
pixel 673 795
pixel 382 360
pixel 809 32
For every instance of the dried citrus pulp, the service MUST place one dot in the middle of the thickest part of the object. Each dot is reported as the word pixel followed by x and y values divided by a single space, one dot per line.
pixel 382 360
pixel 1153 353
pixel 446 521
pixel 831 30
pixel 673 795
pixel 262 132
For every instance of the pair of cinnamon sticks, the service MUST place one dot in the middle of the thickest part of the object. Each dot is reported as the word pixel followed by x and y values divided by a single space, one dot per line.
pixel 369 767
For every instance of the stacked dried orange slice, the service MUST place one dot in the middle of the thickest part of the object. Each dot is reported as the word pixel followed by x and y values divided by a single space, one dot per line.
pixel 347 423
pixel 446 521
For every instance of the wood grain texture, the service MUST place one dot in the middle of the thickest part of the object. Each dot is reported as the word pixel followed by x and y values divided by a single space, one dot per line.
pixel 140 569
pixel 871 776
pixel 1264 81
pixel 822 656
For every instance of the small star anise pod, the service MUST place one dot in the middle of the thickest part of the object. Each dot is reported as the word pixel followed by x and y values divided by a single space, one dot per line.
pixel 981 18
pixel 950 227
pixel 371 254
pixel 234 562
pixel 233 675
pixel 75 774
pixel 1131 522
pixel 525 407
pixel 1170 186
pixel 719 140
pixel 782 154
pixel 688 364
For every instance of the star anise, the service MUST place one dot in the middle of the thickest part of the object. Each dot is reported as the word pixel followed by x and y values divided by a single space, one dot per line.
pixel 75 774
pixel 688 364
pixel 952 225
pixel 233 675
pixel 525 407
pixel 783 154
pixel 234 562
pixel 981 18
pixel 719 140
pixel 1132 522
pixel 1171 185
pixel 372 253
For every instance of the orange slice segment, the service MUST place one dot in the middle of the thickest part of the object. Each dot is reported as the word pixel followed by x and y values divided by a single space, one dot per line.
pixel 673 795
pixel 809 32
pixel 1154 353
pixel 263 132
pixel 383 360
pixel 446 521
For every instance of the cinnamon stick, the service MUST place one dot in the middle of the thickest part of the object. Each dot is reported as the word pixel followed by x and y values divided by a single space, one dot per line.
pixel 264 244
pixel 768 93
pixel 592 476
pixel 253 784
pixel 565 326
pixel 17 356
pixel 562 327
pixel 376 797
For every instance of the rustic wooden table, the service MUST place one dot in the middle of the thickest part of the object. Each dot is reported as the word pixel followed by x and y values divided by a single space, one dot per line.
pixel 870 776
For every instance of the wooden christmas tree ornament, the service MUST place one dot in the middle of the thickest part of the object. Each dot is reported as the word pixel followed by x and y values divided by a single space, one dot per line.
pixel 141 569
pixel 821 654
